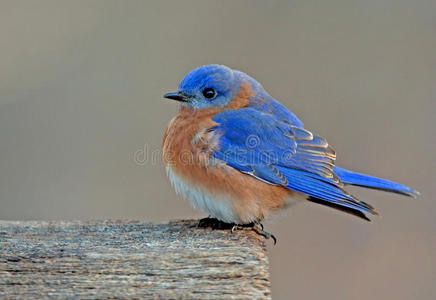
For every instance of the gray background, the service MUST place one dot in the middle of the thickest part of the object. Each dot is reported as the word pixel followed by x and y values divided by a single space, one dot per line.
pixel 81 85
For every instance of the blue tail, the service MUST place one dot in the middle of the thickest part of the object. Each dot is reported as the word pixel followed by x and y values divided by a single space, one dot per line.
pixel 349 177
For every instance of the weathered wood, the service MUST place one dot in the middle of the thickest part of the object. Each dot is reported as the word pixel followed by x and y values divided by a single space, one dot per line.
pixel 127 259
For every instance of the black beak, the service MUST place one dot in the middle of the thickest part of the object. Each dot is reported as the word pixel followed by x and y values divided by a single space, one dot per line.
pixel 175 96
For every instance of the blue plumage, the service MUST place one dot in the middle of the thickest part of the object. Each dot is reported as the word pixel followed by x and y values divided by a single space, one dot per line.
pixel 258 143
pixel 354 178
pixel 261 137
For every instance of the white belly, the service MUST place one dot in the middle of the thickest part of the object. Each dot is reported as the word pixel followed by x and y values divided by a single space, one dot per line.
pixel 217 206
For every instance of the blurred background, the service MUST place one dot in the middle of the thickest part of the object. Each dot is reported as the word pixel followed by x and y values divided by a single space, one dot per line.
pixel 82 115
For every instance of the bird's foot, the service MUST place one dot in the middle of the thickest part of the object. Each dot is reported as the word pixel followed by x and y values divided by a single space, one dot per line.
pixel 257 228
pixel 214 224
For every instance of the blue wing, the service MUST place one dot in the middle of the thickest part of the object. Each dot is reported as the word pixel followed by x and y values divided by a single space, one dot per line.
pixel 262 145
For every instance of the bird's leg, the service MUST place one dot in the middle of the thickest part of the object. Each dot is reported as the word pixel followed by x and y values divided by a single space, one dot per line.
pixel 213 223
pixel 257 228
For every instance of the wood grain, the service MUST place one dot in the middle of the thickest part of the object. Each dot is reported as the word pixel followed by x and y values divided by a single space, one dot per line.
pixel 129 259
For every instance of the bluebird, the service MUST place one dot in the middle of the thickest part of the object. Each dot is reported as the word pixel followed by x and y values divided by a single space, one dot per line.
pixel 239 155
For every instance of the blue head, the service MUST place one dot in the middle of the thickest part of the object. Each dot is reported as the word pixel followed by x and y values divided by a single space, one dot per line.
pixel 210 86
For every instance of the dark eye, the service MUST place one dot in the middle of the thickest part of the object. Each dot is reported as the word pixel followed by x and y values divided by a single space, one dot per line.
pixel 209 93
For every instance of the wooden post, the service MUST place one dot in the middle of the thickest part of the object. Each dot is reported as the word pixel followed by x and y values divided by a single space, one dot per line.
pixel 127 259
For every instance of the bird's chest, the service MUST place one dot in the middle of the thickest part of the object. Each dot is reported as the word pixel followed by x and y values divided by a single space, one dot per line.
pixel 187 148
pixel 188 142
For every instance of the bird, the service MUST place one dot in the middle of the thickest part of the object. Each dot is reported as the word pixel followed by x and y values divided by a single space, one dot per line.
pixel 239 155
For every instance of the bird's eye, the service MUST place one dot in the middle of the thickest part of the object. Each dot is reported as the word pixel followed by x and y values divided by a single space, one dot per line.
pixel 209 93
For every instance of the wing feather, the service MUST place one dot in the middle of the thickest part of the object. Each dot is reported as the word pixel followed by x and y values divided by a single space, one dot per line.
pixel 276 152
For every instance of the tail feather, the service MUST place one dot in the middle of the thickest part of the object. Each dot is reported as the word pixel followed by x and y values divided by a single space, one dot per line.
pixel 348 210
pixel 350 177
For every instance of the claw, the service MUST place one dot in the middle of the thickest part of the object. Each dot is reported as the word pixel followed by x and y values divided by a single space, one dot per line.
pixel 259 230
pixel 257 227
pixel 236 227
